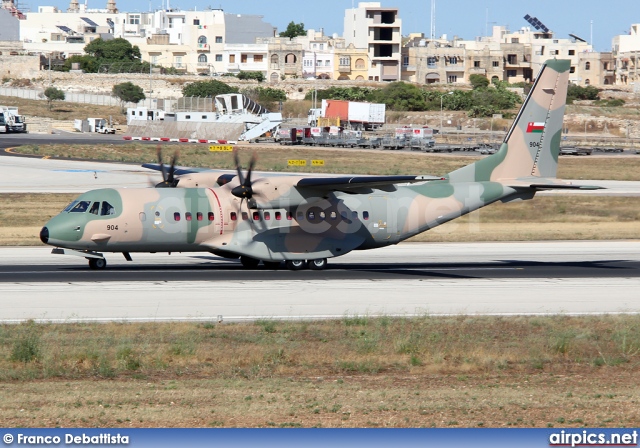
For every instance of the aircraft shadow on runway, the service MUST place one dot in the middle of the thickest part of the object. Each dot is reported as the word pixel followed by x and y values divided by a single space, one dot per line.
pixel 233 270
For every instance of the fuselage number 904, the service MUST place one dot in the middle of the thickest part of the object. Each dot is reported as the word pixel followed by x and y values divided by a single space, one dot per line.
pixel 112 227
pixel 534 144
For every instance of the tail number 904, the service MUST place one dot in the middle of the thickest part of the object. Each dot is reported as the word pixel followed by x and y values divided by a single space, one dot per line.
pixel 112 227
pixel 534 144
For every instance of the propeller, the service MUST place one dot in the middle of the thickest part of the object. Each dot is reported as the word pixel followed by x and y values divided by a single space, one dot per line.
pixel 244 190
pixel 168 178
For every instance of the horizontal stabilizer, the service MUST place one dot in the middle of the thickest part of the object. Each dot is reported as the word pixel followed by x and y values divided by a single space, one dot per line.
pixel 565 187
pixel 540 184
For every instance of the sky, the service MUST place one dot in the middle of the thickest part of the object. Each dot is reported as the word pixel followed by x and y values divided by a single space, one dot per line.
pixel 464 18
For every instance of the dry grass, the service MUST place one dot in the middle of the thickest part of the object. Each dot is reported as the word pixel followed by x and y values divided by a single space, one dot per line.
pixel 62 110
pixel 358 371
pixel 339 161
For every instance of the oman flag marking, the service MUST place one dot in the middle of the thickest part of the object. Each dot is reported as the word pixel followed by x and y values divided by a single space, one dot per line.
pixel 535 127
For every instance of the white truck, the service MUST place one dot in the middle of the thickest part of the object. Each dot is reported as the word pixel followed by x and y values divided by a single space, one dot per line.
pixel 348 114
pixel 11 120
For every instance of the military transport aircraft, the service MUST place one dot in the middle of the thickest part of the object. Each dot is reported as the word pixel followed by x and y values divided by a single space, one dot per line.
pixel 303 220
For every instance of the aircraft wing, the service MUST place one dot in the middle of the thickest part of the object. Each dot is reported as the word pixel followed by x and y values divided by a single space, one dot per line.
pixel 179 171
pixel 346 183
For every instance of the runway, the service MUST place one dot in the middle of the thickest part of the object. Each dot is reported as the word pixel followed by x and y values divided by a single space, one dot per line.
pixel 404 280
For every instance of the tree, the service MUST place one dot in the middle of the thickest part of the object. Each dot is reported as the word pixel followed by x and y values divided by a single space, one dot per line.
pixel 127 92
pixel 400 96
pixel 258 76
pixel 478 81
pixel 207 89
pixel 112 50
pixel 53 94
pixel 117 54
pixel 293 30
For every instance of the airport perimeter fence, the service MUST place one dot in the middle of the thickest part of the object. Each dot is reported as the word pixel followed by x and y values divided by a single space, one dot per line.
pixel 70 97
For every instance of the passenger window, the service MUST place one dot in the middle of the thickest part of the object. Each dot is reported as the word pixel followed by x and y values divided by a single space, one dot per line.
pixel 107 209
pixel 278 216
pixel 355 215
pixel 289 217
pixel 267 216
pixel 80 207
pixel 322 215
pixel 176 216
pixel 187 216
pixel 343 215
pixel 233 216
pixel 95 207
pixel 300 216
pixel 143 216
pixel 245 216
pixel 365 215
pixel 256 216
pixel 199 216
pixel 210 216
pixel 333 215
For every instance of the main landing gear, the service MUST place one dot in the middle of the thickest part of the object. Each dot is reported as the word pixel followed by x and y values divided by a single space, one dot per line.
pixel 293 265
pixel 97 263
pixel 316 265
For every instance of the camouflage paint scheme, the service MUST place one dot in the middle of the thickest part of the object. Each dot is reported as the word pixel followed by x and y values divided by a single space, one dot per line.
pixel 327 219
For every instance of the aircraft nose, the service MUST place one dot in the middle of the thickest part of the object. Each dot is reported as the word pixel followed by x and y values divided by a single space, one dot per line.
pixel 44 235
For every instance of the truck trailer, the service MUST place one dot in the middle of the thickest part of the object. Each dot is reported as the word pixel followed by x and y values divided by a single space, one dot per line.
pixel 348 114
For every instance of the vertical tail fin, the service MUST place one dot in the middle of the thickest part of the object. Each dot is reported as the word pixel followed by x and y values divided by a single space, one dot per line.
pixel 532 145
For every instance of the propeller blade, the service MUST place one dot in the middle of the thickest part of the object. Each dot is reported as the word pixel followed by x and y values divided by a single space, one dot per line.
pixel 236 160
pixel 168 177
pixel 162 169
pixel 172 169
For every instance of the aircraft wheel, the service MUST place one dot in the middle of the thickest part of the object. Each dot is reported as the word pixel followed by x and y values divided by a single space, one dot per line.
pixel 97 263
pixel 318 264
pixel 249 263
pixel 296 265
pixel 271 265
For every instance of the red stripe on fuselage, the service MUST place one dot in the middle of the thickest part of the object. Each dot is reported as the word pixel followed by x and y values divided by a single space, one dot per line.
pixel 219 211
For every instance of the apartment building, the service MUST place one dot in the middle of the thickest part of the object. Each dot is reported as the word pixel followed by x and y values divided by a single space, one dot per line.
pixel 504 56
pixel 51 30
pixel 626 50
pixel 379 30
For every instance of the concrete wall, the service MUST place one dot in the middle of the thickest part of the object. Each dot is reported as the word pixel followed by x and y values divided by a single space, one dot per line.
pixel 174 129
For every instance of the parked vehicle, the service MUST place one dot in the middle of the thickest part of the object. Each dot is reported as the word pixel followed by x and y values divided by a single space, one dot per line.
pixel 98 125
pixel 348 114
pixel 11 120
pixel 575 151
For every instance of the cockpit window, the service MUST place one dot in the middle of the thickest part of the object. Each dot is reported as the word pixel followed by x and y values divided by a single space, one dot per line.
pixel 80 207
pixel 70 206
pixel 94 208
pixel 107 209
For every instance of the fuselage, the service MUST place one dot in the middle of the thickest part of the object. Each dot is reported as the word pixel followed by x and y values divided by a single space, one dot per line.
pixel 291 226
